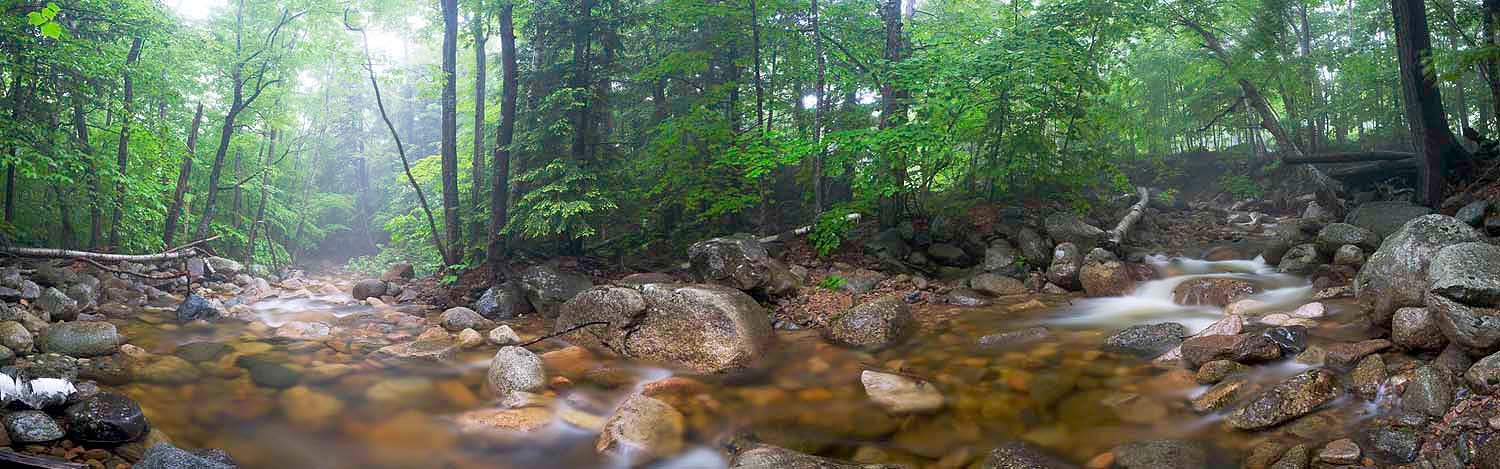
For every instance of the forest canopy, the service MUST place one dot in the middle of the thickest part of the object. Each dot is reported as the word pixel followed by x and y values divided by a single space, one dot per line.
pixel 566 126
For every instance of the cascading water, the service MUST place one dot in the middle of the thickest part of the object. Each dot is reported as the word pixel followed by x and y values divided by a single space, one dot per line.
pixel 1154 302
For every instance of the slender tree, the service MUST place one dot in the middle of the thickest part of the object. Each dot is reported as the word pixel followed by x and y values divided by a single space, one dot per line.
pixel 500 195
pixel 476 165
pixel 449 144
pixel 184 171
pixel 122 153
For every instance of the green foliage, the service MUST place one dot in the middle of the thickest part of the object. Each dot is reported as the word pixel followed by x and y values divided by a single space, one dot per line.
pixel 1240 186
pixel 832 283
pixel 45 20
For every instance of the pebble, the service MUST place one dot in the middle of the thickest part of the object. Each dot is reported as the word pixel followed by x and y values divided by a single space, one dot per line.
pixel 1312 310
pixel 503 336
pixel 900 394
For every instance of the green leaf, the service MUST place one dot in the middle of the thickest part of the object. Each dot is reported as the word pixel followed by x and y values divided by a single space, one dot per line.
pixel 35 19
pixel 52 30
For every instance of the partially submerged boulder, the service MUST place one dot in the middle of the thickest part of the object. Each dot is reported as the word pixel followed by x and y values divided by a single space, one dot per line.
pixel 700 328
pixel 872 325
pixel 1295 397
pixel 1213 291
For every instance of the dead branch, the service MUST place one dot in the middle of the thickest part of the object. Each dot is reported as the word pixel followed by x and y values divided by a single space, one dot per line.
pixel 1116 236
pixel 46 253
pixel 193 244
pixel 1349 157
pixel 853 217
pixel 127 272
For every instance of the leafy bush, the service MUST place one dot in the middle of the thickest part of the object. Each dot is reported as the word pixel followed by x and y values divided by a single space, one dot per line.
pixel 832 229
pixel 832 282
pixel 1240 186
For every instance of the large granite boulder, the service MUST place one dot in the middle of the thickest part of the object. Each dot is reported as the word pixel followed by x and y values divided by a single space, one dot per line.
pixel 872 325
pixel 81 339
pixel 502 302
pixel 1065 227
pixel 1295 397
pixel 1337 235
pixel 546 287
pixel 1067 260
pixel 1213 291
pixel 700 328
pixel 1395 276
pixel 1384 218
pixel 1463 293
pixel 740 262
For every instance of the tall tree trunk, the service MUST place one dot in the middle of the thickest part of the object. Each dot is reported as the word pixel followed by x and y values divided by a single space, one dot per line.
pixel 17 109
pixel 893 106
pixel 169 231
pixel 500 196
pixel 449 144
pixel 760 90
pixel 1491 24
pixel 583 34
pixel 819 197
pixel 81 133
pixel 237 202
pixel 122 154
pixel 260 213
pixel 476 165
pixel 1435 143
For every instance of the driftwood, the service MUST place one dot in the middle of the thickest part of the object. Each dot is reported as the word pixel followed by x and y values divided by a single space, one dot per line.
pixel 10 458
pixel 786 236
pixel 1350 157
pixel 47 253
pixel 1114 237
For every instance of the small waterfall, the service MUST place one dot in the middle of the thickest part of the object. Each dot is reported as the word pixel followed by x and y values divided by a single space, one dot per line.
pixel 1153 301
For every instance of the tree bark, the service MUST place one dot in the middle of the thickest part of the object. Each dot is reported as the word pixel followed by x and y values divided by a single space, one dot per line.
pixel 476 165
pixel 102 257
pixel 819 89
pixel 169 231
pixel 500 196
pixel 583 33
pixel 760 90
pixel 17 109
pixel 1491 25
pixel 893 108
pixel 452 227
pixel 81 133
pixel 122 153
pixel 260 212
pixel 1435 143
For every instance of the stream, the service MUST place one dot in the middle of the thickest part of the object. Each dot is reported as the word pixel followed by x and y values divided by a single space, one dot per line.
pixel 289 402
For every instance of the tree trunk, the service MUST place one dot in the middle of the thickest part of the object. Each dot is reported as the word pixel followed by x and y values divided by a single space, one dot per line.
pixel 893 107
pixel 760 90
pixel 449 143
pixel 183 172
pixel 237 202
pixel 819 89
pixel 122 154
pixel 1435 143
pixel 260 212
pixel 476 165
pixel 17 104
pixel 583 33
pixel 81 133
pixel 1491 24
pixel 500 196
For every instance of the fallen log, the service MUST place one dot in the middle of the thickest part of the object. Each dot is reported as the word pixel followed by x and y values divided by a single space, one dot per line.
pixel 1391 168
pixel 47 253
pixel 1114 237
pixel 786 236
pixel 1350 157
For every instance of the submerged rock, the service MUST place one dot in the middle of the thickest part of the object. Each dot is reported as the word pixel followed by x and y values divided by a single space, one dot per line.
pixel 643 429
pixel 196 307
pixel 872 325
pixel 1021 455
pixel 1146 340
pixel 702 328
pixel 166 456
pixel 515 369
pixel 1161 454
pixel 766 456
pixel 1395 276
pixel 106 418
pixel 502 302
pixel 899 394
pixel 1295 397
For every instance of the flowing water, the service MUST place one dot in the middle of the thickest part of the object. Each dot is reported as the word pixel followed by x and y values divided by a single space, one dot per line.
pixel 1061 392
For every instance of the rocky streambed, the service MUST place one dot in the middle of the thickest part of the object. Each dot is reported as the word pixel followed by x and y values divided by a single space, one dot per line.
pixel 1328 357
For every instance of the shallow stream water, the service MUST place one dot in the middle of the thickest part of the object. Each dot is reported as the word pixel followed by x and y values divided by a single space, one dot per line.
pixel 1061 392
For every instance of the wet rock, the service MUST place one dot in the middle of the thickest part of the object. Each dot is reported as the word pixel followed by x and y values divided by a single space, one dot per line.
pixel 44 365
pixel 197 307
pixel 1067 260
pixel 862 281
pixel 1065 227
pixel 1429 392
pixel 1474 213
pixel 1216 291
pixel 1368 376
pixel 1336 235
pixel 643 429
pixel 1417 329
pixel 225 267
pixel 738 261
pixel 872 325
pixel 1343 451
pixel 1484 376
pixel 1301 259
pixel 964 297
pixel 1015 338
pixel 1294 458
pixel 1021 455
pixel 1107 278
pixel 164 370
pixel 1245 308
pixel 1349 255
pixel 470 339
pixel 106 418
pixel 703 328
pixel 303 330
pixel 1292 398
pixel 15 337
pixel 546 287
pixel 1385 218
pixel 49 274
pixel 460 318
pixel 1243 348
pixel 1396 275
pixel 82 339
pixel 1215 371
pixel 1002 259
pixel 949 255
pixel 1291 339
pixel 1049 387
pixel 1221 395
pixel 420 351
pixel 503 336
pixel 57 304
pixel 267 372
pixel 997 285
pixel 1161 454
pixel 1147 340
pixel 31 426
pixel 502 302
pixel 367 288
pixel 166 456
pixel 766 456
pixel 1346 354
pixel 198 352
pixel 516 369
pixel 645 278
pixel 309 409
pixel 901 395
pixel 1391 444
pixel 399 271
pixel 1036 249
